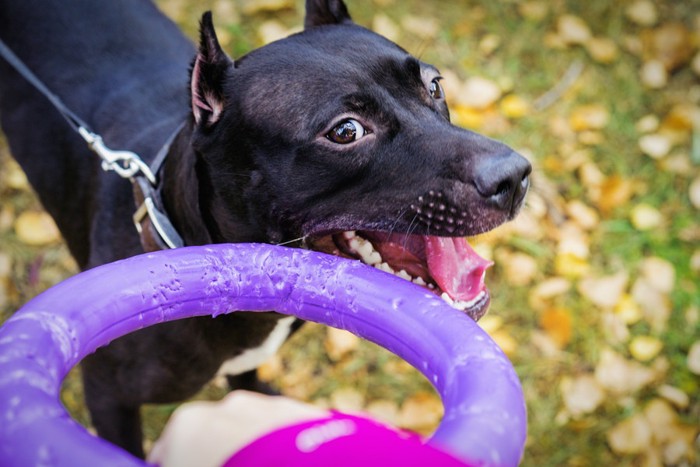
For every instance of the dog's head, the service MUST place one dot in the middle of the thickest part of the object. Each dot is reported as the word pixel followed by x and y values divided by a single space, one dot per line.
pixel 339 137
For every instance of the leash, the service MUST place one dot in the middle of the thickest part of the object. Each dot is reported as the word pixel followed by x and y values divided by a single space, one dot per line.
pixel 152 223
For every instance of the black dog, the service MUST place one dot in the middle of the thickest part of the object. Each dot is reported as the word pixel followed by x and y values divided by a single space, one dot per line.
pixel 334 139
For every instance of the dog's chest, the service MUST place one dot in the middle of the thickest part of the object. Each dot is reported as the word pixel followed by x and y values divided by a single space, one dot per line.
pixel 254 357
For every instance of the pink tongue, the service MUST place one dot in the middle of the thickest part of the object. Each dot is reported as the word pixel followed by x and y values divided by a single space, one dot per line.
pixel 455 266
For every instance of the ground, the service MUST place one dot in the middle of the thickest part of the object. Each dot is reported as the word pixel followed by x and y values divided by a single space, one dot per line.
pixel 595 286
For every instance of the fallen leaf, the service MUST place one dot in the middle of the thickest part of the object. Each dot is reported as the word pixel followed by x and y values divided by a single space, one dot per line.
pixel 606 291
pixel 422 27
pixel 631 436
pixel 615 191
pixel 571 265
pixel 533 10
pixel 556 322
pixel 695 261
pixel 693 359
pixel 491 323
pixel 385 411
pixel 421 412
pixel 621 376
pixel 385 26
pixel 581 395
pixel 695 64
pixel 520 269
pixel 645 348
pixel 694 192
pixel 642 13
pixel 585 216
pixel 467 117
pixel 659 273
pixel 674 395
pixel 645 217
pixel 670 44
pixel 488 44
pixel 655 146
pixel 348 400
pixel 647 124
pixel 271 369
pixel 628 309
pixel 662 419
pixel 505 341
pixel 339 343
pixel 513 106
pixel 602 50
pixel 251 7
pixel 589 117
pixel 653 74
pixel 479 93
pixel 14 177
pixel 36 228
pixel 614 328
pixel 573 30
pixel 655 305
pixel 546 290
pixel 271 31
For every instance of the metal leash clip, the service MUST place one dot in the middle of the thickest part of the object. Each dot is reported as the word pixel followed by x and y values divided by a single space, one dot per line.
pixel 125 163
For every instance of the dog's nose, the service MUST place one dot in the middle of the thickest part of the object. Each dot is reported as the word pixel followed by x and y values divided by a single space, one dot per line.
pixel 503 179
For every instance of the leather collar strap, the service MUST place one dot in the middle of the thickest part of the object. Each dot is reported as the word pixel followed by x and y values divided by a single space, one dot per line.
pixel 151 221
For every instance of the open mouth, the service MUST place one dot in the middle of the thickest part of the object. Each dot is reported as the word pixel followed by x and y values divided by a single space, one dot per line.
pixel 447 266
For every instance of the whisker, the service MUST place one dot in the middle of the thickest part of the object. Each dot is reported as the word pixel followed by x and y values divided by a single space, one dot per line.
pixel 300 239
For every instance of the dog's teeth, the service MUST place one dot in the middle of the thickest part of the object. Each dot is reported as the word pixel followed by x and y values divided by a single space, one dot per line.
pixel 349 234
pixel 384 267
pixel 431 286
pixel 419 281
pixel 459 304
pixel 404 275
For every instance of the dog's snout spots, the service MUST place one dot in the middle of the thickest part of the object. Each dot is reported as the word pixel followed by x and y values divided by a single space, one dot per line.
pixel 503 180
pixel 434 211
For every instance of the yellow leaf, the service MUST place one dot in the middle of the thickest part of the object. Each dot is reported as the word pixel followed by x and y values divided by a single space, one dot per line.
pixel 694 192
pixel 645 217
pixel 36 228
pixel 585 216
pixel 491 323
pixel 621 376
pixel 513 106
pixel 655 305
pixel 631 436
pixel 520 269
pixel 573 30
pixel 602 50
pixel 467 117
pixel 479 93
pixel 571 265
pixel 642 12
pixel 556 322
pixel 674 395
pixel 505 341
pixel 340 343
pixel 605 291
pixel 655 146
pixel 421 412
pixel 659 273
pixel 694 358
pixel 581 395
pixel 628 309
pixel 644 348
pixel 589 117
pixel 653 74
pixel 615 191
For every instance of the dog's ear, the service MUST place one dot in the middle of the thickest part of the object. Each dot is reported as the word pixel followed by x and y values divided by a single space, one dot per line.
pixel 323 12
pixel 208 75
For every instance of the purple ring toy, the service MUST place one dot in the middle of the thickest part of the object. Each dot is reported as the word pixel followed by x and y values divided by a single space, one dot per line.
pixel 485 417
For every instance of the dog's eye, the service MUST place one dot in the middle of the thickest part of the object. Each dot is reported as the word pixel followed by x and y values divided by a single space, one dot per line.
pixel 346 132
pixel 435 89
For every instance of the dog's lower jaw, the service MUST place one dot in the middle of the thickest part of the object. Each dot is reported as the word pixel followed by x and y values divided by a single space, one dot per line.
pixel 446 266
